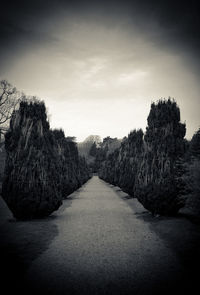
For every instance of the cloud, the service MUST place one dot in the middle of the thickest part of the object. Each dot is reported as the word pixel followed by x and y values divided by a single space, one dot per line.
pixel 100 65
pixel 172 23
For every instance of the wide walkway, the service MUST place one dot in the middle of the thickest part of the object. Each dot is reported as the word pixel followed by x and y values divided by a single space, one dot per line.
pixel 102 248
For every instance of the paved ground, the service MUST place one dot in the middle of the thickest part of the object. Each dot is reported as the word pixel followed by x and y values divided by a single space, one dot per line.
pixel 102 248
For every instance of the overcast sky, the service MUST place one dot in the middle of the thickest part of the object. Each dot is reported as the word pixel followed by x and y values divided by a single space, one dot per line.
pixel 98 65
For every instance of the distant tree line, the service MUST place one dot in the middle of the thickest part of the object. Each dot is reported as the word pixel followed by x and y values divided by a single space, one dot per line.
pixel 160 168
pixel 88 149
pixel 100 152
pixel 42 166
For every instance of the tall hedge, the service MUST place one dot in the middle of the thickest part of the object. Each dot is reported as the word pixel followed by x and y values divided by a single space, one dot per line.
pixel 120 167
pixel 150 167
pixel 192 176
pixel 159 181
pixel 42 166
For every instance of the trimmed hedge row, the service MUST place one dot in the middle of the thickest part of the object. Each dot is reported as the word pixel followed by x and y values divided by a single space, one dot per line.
pixel 42 166
pixel 149 167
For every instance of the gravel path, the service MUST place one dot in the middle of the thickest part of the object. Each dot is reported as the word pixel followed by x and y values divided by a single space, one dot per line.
pixel 103 248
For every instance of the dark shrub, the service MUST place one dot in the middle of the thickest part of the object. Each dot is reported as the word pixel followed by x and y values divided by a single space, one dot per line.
pixel 30 183
pixel 159 182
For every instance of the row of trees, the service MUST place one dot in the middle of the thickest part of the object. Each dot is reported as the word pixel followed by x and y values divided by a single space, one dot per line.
pixel 42 165
pixel 192 175
pixel 152 166
pixel 99 152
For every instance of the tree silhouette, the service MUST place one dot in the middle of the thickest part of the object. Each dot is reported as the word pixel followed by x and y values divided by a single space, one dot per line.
pixel 93 150
pixel 42 166
pixel 150 167
pixel 9 100
pixel 195 145
pixel 158 186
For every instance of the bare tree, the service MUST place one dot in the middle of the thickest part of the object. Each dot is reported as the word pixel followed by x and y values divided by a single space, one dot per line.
pixel 9 100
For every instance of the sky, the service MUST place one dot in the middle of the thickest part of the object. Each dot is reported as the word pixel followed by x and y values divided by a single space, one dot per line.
pixel 99 65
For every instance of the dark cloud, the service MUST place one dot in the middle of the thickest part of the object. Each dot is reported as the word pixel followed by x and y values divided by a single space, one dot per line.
pixel 171 25
pixel 179 19
pixel 83 52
